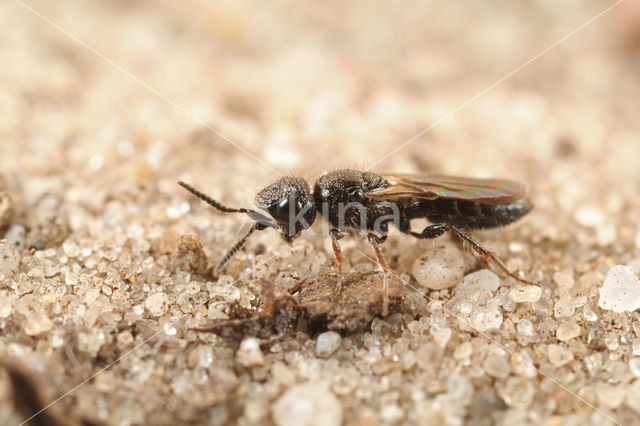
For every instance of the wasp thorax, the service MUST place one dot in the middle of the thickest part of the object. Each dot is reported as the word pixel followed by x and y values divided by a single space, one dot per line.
pixel 290 203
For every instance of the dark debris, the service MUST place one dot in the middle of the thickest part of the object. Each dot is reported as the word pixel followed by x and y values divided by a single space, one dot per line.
pixel 350 311
pixel 315 306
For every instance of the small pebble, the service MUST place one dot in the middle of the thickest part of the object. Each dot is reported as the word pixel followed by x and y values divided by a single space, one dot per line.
pixel 70 278
pixel 6 303
pixel 441 336
pixel 9 259
pixel 70 248
pixel 327 343
pixel 463 351
pixel 477 283
pixel 567 331
pixel 282 374
pixel 524 294
pixel 589 314
pixel 442 267
pixel 188 255
pixel 611 341
pixel 563 308
pixel 249 353
pixel 307 404
pixel 125 338
pixel 564 278
pixel 36 322
pixel 559 355
pixel 15 235
pixel 620 291
pixel 90 342
pixel 486 318
pixel 525 327
pixel 157 304
pixel 517 393
pixel 497 367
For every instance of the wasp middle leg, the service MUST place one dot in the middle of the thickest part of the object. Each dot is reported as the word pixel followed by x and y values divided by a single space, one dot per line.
pixel 374 240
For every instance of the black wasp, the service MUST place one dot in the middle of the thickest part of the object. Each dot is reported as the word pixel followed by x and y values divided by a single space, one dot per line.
pixel 352 200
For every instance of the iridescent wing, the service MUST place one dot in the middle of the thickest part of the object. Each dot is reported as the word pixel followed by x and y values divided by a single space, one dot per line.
pixel 427 186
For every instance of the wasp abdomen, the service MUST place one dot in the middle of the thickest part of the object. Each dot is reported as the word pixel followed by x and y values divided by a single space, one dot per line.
pixel 469 215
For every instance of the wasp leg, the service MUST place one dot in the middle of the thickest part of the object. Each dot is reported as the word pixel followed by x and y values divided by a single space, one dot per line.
pixel 374 240
pixel 336 235
pixel 434 231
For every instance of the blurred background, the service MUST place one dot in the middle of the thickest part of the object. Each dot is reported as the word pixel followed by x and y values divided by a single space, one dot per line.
pixel 127 89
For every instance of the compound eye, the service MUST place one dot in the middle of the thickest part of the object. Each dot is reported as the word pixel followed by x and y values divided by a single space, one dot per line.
pixel 280 211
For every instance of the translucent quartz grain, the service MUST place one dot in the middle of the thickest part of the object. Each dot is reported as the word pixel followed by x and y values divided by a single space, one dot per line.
pixel 563 308
pixel 327 343
pixel 564 278
pixel 486 318
pixel 496 366
pixel 36 322
pixel 157 304
pixel 567 331
pixel 463 351
pixel 525 327
pixel 559 355
pixel 517 392
pixel 441 336
pixel 525 293
pixel 9 259
pixel 249 353
pixel 90 342
pixel 620 291
pixel 7 301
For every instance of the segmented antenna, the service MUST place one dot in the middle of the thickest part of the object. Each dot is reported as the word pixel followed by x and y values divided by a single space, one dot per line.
pixel 209 200
pixel 237 246
pixel 261 222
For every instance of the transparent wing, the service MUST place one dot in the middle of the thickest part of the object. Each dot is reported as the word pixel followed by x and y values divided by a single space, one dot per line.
pixel 432 186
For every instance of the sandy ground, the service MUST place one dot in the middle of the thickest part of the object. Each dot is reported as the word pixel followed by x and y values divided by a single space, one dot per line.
pixel 105 262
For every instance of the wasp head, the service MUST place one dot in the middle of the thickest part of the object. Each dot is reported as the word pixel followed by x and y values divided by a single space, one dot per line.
pixel 290 203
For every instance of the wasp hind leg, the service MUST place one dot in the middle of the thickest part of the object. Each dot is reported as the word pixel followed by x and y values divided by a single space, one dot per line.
pixel 435 231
